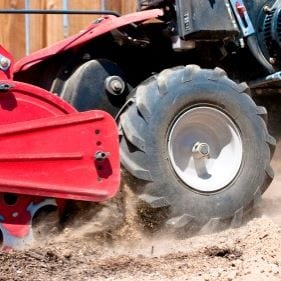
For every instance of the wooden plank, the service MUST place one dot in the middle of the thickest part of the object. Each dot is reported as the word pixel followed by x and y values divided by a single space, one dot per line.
pixel 54 23
pixel 37 26
pixel 122 6
pixel 78 22
pixel 114 5
pixel 12 31
pixel 45 29
pixel 128 6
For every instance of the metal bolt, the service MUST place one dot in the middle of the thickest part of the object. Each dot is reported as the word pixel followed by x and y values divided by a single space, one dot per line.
pixel 115 85
pixel 272 60
pixel 4 63
pixel 101 155
pixel 15 214
pixel 5 87
pixel 201 150
pixel 266 9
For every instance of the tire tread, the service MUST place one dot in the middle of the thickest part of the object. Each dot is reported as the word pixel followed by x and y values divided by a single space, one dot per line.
pixel 147 95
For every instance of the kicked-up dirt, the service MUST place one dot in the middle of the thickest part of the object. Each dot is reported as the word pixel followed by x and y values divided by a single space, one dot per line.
pixel 251 252
pixel 114 247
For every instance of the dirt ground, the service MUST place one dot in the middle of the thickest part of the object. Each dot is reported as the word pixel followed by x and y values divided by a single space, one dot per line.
pixel 121 251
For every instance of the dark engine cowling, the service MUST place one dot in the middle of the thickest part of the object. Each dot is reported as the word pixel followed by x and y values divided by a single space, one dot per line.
pixel 205 20
pixel 198 19
pixel 258 21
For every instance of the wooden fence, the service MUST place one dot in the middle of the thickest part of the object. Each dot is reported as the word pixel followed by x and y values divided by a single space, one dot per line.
pixel 21 34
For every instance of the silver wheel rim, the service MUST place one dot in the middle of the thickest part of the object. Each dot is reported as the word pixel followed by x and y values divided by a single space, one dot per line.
pixel 205 149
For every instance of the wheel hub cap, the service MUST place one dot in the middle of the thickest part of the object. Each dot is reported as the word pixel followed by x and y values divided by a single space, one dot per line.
pixel 205 149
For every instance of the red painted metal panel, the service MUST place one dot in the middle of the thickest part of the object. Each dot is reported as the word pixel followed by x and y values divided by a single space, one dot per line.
pixel 94 30
pixel 48 149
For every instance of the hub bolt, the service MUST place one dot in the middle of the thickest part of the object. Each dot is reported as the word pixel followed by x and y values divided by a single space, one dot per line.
pixel 201 150
pixel 115 85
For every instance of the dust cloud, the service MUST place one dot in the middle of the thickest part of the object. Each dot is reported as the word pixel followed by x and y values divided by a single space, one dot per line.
pixel 271 201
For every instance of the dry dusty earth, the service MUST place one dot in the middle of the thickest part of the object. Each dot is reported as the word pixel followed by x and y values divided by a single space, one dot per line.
pixel 121 251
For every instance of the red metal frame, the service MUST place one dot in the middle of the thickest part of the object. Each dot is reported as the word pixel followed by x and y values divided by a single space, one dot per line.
pixel 92 31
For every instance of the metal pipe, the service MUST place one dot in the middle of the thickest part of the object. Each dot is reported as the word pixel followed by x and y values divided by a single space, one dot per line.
pixel 103 4
pixel 60 12
pixel 27 29
pixel 65 19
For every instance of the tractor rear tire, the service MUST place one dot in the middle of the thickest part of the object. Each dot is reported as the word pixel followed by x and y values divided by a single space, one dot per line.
pixel 199 147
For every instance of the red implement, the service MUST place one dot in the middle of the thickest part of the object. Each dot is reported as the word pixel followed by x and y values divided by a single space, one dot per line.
pixel 49 152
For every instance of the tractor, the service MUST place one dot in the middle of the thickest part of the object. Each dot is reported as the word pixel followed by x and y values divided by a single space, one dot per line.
pixel 179 77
